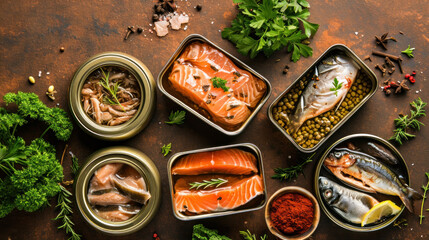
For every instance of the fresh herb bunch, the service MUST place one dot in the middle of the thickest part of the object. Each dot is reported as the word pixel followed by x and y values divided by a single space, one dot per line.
pixel 165 150
pixel 32 172
pixel 400 223
pixel 403 123
pixel 202 233
pixel 220 83
pixel 287 174
pixel 409 51
pixel 425 189
pixel 64 204
pixel 216 182
pixel 337 86
pixel 269 25
pixel 177 117
pixel 112 90
pixel 247 235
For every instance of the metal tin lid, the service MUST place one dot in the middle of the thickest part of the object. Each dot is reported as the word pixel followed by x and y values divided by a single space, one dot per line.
pixel 144 112
pixel 138 161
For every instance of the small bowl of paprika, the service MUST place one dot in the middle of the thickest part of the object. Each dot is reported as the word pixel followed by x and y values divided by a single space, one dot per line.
pixel 292 213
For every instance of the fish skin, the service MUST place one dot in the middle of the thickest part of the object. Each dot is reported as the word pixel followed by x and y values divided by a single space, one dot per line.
pixel 368 174
pixel 315 101
pixel 130 190
pixel 350 204
pixel 381 153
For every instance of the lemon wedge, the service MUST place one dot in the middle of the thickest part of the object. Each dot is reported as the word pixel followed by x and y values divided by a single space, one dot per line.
pixel 383 209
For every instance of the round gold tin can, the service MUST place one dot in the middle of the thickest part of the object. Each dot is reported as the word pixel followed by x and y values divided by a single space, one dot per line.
pixel 140 162
pixel 144 112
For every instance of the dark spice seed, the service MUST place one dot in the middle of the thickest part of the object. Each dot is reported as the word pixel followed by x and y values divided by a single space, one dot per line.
pixel 209 101
pixel 219 198
pixel 198 7
pixel 237 74
pixel 214 68
pixel 206 88
pixel 196 77
pixel 139 30
pixel 229 117
pixel 62 49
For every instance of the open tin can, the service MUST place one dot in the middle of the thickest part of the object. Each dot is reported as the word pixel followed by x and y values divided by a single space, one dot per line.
pixel 259 202
pixel 364 69
pixel 166 89
pixel 360 141
pixel 147 97
pixel 132 158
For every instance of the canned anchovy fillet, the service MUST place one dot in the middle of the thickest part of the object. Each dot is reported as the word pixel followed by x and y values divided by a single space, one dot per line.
pixel 203 184
pixel 209 84
pixel 308 121
pixel 112 96
pixel 118 190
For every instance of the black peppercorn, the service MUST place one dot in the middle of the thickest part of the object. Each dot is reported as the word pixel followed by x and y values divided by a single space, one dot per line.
pixel 198 7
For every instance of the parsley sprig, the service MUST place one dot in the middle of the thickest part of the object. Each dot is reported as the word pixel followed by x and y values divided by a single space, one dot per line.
pixel 220 83
pixel 177 117
pixel 409 51
pixel 216 182
pixel 165 149
pixel 337 86
pixel 270 25
pixel 247 235
pixel 403 123
pixel 287 174
pixel 425 189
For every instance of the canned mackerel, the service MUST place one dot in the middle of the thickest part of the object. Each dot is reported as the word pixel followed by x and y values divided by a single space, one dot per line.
pixel 118 190
pixel 112 96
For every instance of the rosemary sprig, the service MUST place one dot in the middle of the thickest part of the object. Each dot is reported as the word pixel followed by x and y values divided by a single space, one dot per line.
pixel 425 189
pixel 216 182
pixel 64 204
pixel 247 235
pixel 287 174
pixel 404 122
pixel 112 91
pixel 75 164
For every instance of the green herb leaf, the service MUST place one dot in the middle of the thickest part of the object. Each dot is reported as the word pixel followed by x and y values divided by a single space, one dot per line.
pixel 409 51
pixel 220 83
pixel 287 174
pixel 337 86
pixel 165 149
pixel 202 233
pixel 75 164
pixel 216 182
pixel 247 235
pixel 65 214
pixel 424 198
pixel 269 25
pixel 404 122
pixel 177 117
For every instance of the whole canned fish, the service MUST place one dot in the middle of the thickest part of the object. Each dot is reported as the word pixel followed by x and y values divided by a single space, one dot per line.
pixel 355 202
pixel 108 199
pixel 119 120
pixel 184 178
pixel 324 59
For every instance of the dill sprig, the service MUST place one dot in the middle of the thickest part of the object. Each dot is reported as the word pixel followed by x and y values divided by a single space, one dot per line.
pixel 404 122
pixel 64 204
pixel 287 174
pixel 247 235
pixel 216 182
pixel 165 150
pixel 400 223
pixel 113 91
pixel 425 189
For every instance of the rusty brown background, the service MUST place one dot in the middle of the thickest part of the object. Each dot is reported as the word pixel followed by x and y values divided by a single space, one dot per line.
pixel 31 33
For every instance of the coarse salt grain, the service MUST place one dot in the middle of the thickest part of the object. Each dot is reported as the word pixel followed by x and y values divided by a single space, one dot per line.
pixel 40 73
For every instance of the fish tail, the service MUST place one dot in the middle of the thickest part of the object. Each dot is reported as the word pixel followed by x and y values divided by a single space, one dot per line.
pixel 408 197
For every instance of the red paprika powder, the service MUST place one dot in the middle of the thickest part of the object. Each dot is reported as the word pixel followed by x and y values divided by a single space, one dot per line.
pixel 292 213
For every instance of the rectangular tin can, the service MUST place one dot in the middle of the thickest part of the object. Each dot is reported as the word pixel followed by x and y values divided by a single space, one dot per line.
pixel 249 147
pixel 363 68
pixel 162 81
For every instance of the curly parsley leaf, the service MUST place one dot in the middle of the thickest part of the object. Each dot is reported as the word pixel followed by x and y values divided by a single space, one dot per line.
pixel 202 233
pixel 220 83
pixel 177 117
pixel 409 51
pixel 269 25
